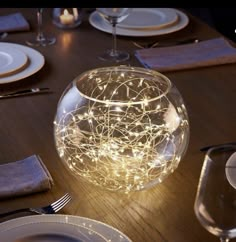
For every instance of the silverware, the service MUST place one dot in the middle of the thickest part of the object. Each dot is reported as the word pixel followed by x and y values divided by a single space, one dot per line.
pixel 217 145
pixel 25 92
pixel 49 209
pixel 165 43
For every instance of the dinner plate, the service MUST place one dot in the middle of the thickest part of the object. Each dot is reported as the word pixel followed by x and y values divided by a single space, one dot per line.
pixel 11 59
pixel 143 18
pixel 50 232
pixel 58 227
pixel 99 23
pixel 35 63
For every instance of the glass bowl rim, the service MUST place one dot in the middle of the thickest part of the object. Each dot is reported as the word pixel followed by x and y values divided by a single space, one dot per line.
pixel 120 68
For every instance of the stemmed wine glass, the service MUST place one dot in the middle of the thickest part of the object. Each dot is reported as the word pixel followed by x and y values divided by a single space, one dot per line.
pixel 40 39
pixel 215 203
pixel 114 16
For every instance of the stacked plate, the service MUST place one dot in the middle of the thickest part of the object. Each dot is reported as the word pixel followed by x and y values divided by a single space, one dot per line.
pixel 58 228
pixel 18 62
pixel 144 22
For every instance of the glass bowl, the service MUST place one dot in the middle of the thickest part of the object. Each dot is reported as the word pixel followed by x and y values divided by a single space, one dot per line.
pixel 67 18
pixel 121 128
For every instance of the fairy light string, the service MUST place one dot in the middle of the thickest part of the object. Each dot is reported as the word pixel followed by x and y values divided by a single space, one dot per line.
pixel 127 135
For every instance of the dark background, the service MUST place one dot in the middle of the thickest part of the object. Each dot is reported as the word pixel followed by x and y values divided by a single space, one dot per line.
pixel 222 19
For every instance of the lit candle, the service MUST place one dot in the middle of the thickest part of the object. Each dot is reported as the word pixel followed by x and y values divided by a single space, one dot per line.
pixel 66 17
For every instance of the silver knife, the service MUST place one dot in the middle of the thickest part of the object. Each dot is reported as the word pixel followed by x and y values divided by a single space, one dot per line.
pixel 25 92
pixel 166 43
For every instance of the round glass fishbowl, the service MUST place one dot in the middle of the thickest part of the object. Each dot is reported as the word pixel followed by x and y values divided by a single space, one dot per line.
pixel 121 128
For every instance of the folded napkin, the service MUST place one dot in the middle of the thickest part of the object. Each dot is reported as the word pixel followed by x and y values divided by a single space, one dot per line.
pixel 23 177
pixel 13 22
pixel 205 53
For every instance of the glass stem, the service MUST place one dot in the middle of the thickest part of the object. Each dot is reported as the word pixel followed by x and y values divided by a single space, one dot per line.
pixel 40 23
pixel 114 42
pixel 224 240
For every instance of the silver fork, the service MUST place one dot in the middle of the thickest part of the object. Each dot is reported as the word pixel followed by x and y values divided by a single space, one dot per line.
pixel 49 209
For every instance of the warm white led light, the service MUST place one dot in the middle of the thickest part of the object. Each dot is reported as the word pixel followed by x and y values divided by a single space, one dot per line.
pixel 122 128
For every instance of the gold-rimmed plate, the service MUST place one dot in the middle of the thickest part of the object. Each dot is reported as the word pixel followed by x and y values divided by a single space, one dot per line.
pixel 34 63
pixel 149 18
pixel 11 60
pixel 99 23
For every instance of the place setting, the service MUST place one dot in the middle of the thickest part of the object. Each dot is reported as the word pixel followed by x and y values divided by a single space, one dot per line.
pixel 144 22
pixel 135 22
pixel 46 223
pixel 18 61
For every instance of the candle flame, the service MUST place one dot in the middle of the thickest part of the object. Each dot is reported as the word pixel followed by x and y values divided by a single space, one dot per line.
pixel 66 12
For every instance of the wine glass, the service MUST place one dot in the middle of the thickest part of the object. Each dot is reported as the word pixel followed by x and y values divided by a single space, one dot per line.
pixel 114 16
pixel 215 203
pixel 41 39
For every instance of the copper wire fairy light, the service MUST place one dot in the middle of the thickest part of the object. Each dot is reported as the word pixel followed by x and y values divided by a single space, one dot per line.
pixel 127 135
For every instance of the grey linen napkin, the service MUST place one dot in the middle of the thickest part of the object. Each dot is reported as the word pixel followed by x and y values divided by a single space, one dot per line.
pixel 13 22
pixel 23 177
pixel 188 56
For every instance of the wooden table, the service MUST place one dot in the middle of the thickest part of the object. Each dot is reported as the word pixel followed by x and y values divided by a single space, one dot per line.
pixel 162 213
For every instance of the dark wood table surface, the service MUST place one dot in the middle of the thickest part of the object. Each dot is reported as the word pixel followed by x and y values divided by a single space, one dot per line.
pixel 161 213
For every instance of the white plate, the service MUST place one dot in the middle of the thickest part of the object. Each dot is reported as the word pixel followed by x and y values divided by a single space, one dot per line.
pixel 155 18
pixel 35 62
pixel 11 59
pixel 99 23
pixel 58 227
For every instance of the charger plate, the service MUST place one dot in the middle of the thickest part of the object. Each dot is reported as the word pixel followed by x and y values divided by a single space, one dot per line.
pixel 58 227
pixel 34 63
pixel 99 23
